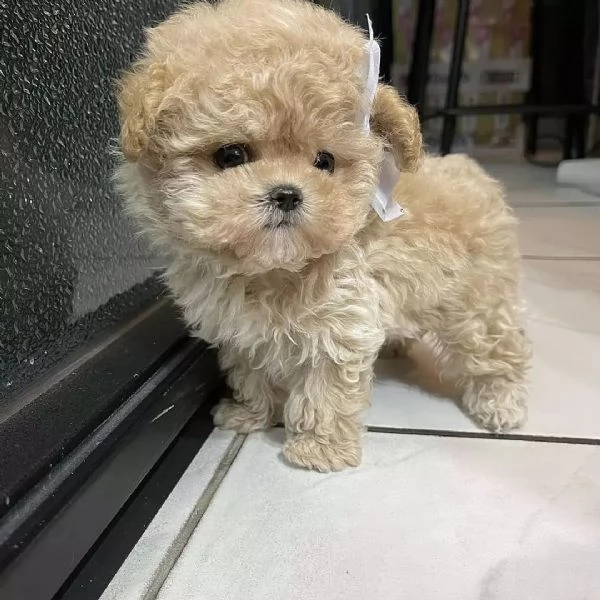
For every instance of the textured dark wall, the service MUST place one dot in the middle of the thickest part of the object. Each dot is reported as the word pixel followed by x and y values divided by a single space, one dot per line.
pixel 68 262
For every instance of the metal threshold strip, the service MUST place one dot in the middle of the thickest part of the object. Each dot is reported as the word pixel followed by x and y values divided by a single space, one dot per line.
pixel 55 527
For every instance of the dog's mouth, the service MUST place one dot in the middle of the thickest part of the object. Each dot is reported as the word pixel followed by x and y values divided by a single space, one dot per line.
pixel 279 219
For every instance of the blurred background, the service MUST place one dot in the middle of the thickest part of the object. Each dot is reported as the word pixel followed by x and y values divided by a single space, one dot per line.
pixel 516 51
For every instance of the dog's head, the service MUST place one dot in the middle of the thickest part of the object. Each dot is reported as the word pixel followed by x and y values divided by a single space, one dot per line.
pixel 244 121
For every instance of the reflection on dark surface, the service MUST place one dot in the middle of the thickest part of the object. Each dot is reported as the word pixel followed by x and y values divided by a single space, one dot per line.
pixel 68 263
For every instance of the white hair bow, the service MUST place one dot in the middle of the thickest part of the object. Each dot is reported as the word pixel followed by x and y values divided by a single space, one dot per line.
pixel 383 202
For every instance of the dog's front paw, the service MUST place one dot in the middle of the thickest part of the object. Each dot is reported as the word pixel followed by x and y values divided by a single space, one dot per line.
pixel 497 406
pixel 306 451
pixel 238 417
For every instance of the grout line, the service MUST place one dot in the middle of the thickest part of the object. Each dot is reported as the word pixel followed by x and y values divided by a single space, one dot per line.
pixel 176 548
pixel 525 437
pixel 562 258
pixel 483 435
pixel 578 204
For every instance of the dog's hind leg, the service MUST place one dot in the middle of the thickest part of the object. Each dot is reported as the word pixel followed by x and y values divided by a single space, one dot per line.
pixel 490 355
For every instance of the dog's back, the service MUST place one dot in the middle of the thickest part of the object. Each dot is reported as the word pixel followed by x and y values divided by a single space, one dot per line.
pixel 458 237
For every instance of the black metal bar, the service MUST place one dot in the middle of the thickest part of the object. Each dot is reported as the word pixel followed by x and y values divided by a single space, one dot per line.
pixel 531 133
pixel 79 395
pixel 458 51
pixel 101 564
pixel 79 520
pixel 568 138
pixel 579 135
pixel 421 48
pixel 20 523
pixel 532 97
pixel 517 109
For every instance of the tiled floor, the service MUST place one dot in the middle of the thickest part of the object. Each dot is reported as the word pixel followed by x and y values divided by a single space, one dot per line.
pixel 439 509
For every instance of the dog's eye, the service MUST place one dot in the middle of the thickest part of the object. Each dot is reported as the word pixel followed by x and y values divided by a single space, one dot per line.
pixel 325 162
pixel 231 155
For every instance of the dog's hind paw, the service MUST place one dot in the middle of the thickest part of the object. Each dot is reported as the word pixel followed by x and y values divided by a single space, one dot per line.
pixel 238 417
pixel 306 451
pixel 499 406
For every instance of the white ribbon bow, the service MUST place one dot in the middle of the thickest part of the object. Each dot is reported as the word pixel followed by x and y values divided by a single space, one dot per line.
pixel 383 202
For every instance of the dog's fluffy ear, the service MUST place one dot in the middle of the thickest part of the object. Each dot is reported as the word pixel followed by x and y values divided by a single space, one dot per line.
pixel 139 94
pixel 397 122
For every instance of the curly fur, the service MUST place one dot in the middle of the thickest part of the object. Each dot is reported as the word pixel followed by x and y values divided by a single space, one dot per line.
pixel 300 313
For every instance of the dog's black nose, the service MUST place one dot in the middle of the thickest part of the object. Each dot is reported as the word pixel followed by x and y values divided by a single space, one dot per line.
pixel 286 198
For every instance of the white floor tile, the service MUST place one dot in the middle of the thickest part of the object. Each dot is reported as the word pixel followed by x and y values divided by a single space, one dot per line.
pixel 521 175
pixel 564 304
pixel 528 185
pixel 555 220
pixel 559 231
pixel 424 517
pixel 564 293
pixel 149 562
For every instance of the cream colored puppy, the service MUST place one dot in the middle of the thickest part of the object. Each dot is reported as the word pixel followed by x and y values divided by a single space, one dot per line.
pixel 247 163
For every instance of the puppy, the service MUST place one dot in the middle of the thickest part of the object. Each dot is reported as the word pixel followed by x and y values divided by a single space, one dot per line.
pixel 247 164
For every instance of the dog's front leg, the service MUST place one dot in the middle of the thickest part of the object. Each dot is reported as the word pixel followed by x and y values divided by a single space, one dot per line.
pixel 255 397
pixel 323 415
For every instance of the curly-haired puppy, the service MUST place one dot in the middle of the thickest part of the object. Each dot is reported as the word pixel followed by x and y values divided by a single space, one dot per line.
pixel 247 162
